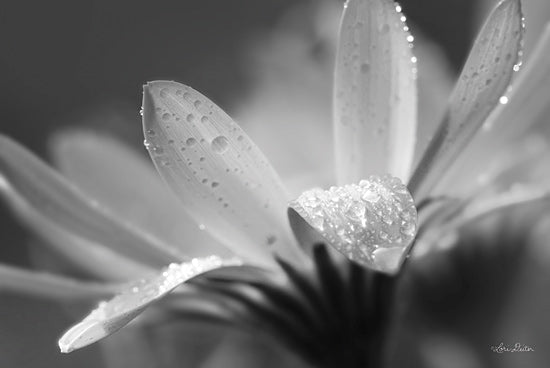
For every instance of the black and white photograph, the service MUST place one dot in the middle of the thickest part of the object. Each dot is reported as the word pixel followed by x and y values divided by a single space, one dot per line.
pixel 275 183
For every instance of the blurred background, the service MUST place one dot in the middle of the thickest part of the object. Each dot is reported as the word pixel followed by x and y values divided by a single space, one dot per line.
pixel 67 64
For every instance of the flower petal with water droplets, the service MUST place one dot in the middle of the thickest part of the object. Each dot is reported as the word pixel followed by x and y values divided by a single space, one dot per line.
pixel 37 193
pixel 372 223
pixel 128 186
pixel 484 79
pixel 512 130
pixel 114 314
pixel 374 93
pixel 219 174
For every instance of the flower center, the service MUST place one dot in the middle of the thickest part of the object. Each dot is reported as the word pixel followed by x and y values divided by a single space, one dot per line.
pixel 372 223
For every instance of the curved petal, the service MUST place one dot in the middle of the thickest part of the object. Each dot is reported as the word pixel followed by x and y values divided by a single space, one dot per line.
pixel 129 187
pixel 38 194
pixel 484 79
pixel 111 316
pixel 48 286
pixel 221 177
pixel 525 113
pixel 374 93
pixel 372 223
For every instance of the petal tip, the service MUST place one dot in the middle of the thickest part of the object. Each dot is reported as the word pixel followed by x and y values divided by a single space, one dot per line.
pixel 80 335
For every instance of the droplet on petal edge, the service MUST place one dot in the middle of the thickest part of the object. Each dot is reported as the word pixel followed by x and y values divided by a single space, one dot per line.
pixel 485 78
pixel 372 223
pixel 208 159
pixel 114 314
pixel 375 92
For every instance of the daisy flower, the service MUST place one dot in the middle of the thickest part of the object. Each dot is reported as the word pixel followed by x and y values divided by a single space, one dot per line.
pixel 321 284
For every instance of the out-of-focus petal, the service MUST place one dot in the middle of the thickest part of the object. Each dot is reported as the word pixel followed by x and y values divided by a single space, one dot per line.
pixel 374 93
pixel 125 183
pixel 222 178
pixel 484 79
pixel 288 105
pixel 110 316
pixel 524 115
pixel 40 195
pixel 90 257
pixel 48 286
pixel 527 165
pixel 475 209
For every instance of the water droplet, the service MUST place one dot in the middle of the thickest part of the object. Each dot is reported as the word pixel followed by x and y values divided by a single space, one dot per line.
pixel 191 141
pixel 220 144
pixel 204 119
pixel 202 227
pixel 179 92
pixel 165 116
pixel 164 92
pixel 158 150
pixel 170 141
pixel 365 67
pixel 271 239
pixel 197 104
pixel 410 38
pixel 146 143
pixel 202 159
pixel 151 132
pixel 190 118
pixel 503 100
pixel 240 138
pixel 215 184
pixel 204 181
pixel 141 111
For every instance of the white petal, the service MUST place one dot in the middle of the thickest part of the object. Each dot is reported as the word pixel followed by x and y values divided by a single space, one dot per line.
pixel 110 316
pixel 510 128
pixel 222 178
pixel 48 286
pixel 484 79
pixel 372 223
pixel 126 184
pixel 374 93
pixel 43 198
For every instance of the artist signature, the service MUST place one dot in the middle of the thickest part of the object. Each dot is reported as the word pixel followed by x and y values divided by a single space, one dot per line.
pixel 516 348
